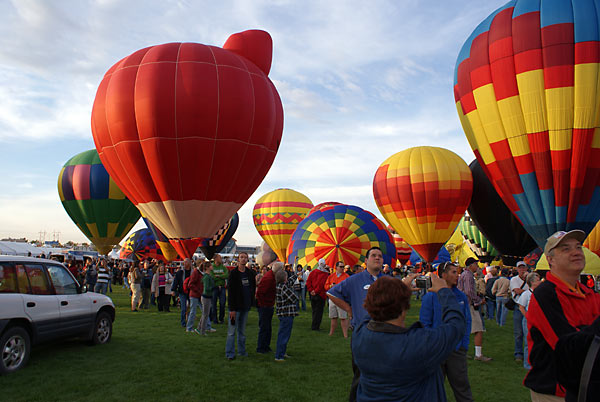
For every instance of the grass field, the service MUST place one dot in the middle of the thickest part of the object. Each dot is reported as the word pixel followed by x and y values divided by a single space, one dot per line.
pixel 150 357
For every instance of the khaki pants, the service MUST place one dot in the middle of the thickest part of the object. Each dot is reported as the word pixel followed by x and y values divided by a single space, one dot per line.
pixel 536 397
pixel 136 291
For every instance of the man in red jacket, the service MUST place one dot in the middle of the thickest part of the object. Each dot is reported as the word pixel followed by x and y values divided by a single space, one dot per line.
pixel 265 300
pixel 315 285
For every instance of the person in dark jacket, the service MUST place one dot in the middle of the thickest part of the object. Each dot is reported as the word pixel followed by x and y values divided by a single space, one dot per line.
pixel 315 285
pixel 383 345
pixel 241 287
pixel 177 288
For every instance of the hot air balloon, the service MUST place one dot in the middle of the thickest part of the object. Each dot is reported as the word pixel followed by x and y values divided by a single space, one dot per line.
pixel 483 249
pixel 403 250
pixel 141 245
pixel 219 240
pixel 592 242
pixel 493 218
pixel 442 256
pixel 168 251
pixel 423 193
pixel 322 205
pixel 526 93
pixel 339 233
pixel 266 255
pixel 188 131
pixel 94 202
pixel 277 214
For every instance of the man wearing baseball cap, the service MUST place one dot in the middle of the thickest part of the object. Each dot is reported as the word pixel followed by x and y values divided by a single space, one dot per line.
pixel 560 306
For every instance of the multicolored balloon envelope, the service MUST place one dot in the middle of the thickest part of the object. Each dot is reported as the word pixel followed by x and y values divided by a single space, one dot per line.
pixel 215 244
pixel 94 202
pixel 277 214
pixel 339 233
pixel 403 250
pixel 592 242
pixel 482 248
pixel 495 221
pixel 167 248
pixel 189 131
pixel 423 193
pixel 442 256
pixel 141 245
pixel 322 205
pixel 526 91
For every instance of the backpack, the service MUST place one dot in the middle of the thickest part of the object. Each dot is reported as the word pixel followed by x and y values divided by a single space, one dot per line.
pixel 186 285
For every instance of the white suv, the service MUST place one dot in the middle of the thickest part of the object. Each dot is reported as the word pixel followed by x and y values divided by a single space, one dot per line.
pixel 40 301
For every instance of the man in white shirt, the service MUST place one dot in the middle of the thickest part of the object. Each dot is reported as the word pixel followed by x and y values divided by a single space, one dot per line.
pixel 517 287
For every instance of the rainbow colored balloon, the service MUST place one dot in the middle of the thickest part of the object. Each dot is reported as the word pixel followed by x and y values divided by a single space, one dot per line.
pixel 423 193
pixel 141 245
pixel 166 247
pixel 277 214
pixel 339 233
pixel 94 202
pixel 403 250
pixel 526 91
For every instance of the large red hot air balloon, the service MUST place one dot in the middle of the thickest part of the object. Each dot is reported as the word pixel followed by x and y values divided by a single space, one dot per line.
pixel 188 131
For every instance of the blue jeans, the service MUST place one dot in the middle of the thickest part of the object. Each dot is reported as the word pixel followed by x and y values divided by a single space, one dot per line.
pixel 303 298
pixel 183 299
pixel 283 336
pixel 526 354
pixel 194 304
pixel 240 327
pixel 518 331
pixel 100 287
pixel 491 309
pixel 218 295
pixel 265 318
pixel 501 310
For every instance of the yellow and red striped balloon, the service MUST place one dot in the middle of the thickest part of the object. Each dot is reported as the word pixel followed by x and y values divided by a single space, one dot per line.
pixel 593 240
pixel 423 193
pixel 277 214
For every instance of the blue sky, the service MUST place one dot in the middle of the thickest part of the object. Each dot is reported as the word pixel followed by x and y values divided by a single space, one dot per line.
pixel 359 81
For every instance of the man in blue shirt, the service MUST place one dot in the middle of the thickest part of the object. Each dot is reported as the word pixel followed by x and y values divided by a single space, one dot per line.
pixel 350 295
pixel 455 366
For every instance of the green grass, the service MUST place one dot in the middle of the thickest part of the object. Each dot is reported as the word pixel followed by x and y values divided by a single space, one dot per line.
pixel 150 357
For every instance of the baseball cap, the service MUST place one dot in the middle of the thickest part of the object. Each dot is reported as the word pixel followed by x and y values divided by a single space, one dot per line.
pixel 470 261
pixel 553 241
pixel 521 264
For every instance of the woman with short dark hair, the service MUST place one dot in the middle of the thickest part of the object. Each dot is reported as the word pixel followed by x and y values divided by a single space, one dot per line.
pixel 383 345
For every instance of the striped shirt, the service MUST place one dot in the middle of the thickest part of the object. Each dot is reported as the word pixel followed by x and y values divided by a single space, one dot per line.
pixel 466 284
pixel 103 275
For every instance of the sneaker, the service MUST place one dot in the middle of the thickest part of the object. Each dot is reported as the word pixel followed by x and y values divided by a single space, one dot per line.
pixel 196 330
pixel 279 360
pixel 483 358
pixel 286 356
pixel 212 330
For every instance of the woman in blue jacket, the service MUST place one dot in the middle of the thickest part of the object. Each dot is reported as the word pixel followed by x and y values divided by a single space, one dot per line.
pixel 414 355
pixel 455 367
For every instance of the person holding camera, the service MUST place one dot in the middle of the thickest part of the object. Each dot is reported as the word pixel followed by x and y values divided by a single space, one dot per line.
pixel 455 366
pixel 466 283
pixel 383 345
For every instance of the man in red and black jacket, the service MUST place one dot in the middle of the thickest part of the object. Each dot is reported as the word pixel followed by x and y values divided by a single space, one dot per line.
pixel 559 307
pixel 265 302
pixel 315 285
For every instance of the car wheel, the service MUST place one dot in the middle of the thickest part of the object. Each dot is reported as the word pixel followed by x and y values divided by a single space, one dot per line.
pixel 102 329
pixel 16 346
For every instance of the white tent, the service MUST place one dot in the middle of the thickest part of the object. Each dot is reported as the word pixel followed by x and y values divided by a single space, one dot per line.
pixel 17 248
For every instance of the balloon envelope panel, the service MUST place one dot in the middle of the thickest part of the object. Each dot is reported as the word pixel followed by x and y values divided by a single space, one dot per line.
pixel 94 202
pixel 211 246
pixel 141 245
pixel 526 91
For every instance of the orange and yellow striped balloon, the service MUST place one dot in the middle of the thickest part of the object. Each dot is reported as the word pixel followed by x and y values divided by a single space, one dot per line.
pixel 593 240
pixel 423 193
pixel 277 214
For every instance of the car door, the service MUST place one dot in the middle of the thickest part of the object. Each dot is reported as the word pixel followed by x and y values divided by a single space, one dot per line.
pixel 10 299
pixel 75 308
pixel 39 301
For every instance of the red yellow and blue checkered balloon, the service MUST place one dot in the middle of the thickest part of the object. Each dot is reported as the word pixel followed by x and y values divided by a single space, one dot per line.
pixel 94 202
pixel 526 90
pixel 141 245
pixel 339 233
pixel 423 193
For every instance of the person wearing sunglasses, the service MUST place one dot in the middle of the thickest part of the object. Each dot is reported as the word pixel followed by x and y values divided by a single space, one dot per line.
pixel 455 366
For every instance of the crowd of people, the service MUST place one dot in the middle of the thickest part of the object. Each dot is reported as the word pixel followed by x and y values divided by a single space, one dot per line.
pixel 557 312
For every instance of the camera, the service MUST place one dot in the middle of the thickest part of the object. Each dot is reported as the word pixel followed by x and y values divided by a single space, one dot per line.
pixel 423 282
